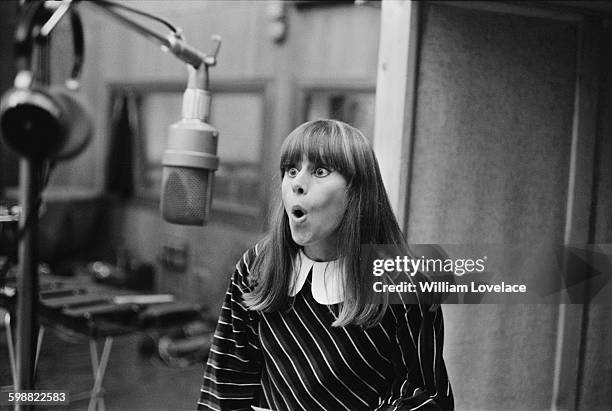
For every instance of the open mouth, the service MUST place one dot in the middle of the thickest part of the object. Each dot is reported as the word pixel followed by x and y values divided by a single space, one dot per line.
pixel 298 212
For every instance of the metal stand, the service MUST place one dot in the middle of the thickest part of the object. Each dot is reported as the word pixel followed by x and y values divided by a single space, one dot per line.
pixel 99 369
pixel 9 342
pixel 6 322
pixel 98 363
pixel 98 366
pixel 27 281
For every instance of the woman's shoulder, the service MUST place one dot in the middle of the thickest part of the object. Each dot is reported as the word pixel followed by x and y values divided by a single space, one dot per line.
pixel 245 265
pixel 248 258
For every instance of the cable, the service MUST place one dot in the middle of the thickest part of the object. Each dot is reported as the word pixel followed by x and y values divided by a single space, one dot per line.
pixel 166 23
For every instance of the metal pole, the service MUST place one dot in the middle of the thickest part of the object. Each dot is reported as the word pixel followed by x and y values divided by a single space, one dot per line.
pixel 30 192
pixel 27 282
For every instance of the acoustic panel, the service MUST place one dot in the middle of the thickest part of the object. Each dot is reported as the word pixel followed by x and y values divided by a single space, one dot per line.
pixel 494 107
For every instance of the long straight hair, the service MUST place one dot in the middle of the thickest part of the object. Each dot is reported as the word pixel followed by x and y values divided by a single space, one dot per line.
pixel 368 220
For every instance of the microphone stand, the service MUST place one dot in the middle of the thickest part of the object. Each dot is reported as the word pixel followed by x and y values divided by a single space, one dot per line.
pixel 195 107
pixel 174 43
pixel 31 184
pixel 27 282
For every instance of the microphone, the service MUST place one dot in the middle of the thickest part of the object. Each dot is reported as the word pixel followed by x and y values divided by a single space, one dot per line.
pixel 190 160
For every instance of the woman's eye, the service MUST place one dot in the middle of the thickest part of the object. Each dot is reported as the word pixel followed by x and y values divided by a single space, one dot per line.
pixel 292 172
pixel 321 172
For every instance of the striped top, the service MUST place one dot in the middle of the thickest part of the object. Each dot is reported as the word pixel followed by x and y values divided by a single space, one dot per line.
pixel 295 359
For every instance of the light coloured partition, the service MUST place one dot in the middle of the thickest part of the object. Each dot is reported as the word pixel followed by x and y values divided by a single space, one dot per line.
pixel 500 151
pixel 491 155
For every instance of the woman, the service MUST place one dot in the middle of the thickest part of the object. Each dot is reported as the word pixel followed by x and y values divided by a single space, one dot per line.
pixel 298 328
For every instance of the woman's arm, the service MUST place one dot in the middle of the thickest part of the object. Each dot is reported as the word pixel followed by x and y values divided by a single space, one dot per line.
pixel 233 371
pixel 420 337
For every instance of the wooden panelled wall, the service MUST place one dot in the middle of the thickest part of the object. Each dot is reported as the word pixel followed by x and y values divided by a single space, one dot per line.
pixel 506 144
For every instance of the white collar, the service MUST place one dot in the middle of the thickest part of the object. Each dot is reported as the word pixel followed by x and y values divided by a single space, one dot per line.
pixel 326 279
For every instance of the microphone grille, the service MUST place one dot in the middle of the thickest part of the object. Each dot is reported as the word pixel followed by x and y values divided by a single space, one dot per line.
pixel 186 195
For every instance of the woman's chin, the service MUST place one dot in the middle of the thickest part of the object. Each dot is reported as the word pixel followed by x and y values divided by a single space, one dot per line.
pixel 300 241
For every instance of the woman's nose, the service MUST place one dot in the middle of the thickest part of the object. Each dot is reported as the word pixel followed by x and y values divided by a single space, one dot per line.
pixel 299 184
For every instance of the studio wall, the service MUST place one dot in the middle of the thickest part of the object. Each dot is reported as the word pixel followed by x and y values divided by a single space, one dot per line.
pixel 503 99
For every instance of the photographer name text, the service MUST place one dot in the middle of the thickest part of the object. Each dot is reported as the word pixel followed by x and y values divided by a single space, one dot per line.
pixel 446 287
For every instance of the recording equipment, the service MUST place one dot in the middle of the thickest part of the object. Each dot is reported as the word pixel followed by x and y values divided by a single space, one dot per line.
pixel 40 122
pixel 190 160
